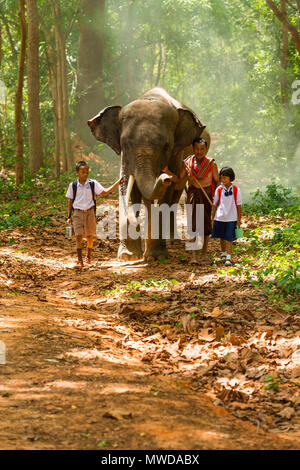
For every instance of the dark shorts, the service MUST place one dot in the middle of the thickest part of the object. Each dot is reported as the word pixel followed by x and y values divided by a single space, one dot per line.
pixel 224 230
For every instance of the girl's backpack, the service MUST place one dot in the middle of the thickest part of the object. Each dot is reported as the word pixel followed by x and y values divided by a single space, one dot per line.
pixel 235 191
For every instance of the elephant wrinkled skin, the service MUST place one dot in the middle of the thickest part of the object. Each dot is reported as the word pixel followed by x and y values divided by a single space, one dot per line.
pixel 149 133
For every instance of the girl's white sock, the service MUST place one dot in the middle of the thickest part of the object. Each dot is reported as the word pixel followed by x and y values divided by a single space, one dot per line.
pixel 223 254
pixel 228 256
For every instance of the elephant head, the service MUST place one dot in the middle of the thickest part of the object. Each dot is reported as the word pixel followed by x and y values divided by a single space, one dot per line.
pixel 148 133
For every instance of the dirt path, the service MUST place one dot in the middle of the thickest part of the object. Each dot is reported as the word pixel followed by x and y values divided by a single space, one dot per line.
pixel 136 356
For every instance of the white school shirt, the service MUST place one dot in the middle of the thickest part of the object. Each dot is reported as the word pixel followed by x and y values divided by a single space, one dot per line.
pixel 227 211
pixel 84 196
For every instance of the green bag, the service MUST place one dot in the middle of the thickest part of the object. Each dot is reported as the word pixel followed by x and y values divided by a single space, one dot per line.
pixel 239 232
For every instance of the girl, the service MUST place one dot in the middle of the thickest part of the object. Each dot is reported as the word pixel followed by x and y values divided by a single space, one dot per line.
pixel 226 213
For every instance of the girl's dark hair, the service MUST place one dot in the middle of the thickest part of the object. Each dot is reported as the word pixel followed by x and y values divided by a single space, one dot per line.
pixel 199 140
pixel 227 171
pixel 81 163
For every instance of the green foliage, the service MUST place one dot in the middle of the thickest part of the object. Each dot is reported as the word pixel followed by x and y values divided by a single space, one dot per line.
pixel 41 194
pixel 273 383
pixel 273 201
pixel 285 238
pixel 152 283
pixel 273 249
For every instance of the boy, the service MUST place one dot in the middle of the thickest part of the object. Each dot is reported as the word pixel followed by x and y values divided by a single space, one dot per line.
pixel 227 213
pixel 84 204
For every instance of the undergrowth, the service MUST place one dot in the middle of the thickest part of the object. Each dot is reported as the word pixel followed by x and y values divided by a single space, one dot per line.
pixel 274 250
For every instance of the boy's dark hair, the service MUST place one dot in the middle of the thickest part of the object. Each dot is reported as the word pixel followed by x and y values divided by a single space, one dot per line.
pixel 199 140
pixel 81 163
pixel 227 171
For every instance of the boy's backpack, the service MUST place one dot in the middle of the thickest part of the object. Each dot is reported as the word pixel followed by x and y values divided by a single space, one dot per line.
pixel 74 187
pixel 235 191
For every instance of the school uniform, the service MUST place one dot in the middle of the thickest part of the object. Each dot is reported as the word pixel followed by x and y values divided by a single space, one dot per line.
pixel 84 220
pixel 226 214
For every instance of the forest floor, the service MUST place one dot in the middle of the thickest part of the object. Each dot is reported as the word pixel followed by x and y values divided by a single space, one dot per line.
pixel 130 355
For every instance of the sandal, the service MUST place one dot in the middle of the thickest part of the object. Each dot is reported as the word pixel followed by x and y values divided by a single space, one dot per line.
pixel 78 265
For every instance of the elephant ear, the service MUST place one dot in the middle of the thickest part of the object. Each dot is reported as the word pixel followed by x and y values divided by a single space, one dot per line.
pixel 106 127
pixel 188 128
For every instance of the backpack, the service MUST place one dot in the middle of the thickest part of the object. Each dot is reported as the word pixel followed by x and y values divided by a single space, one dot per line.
pixel 235 191
pixel 74 187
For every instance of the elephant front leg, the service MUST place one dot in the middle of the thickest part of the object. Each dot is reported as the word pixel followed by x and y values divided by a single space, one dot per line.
pixel 130 247
pixel 155 245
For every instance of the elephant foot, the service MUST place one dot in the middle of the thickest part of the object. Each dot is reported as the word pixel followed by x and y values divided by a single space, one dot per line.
pixel 149 259
pixel 156 252
pixel 125 254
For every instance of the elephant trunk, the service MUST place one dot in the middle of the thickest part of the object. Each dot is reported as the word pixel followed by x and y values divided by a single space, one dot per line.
pixel 151 189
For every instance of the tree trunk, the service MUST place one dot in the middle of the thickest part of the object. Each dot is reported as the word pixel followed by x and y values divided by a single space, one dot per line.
pixel 284 19
pixel 19 166
pixel 65 102
pixel 63 129
pixel 34 117
pixel 90 95
pixel 159 65
pixel 151 66
pixel 51 60
pixel 60 121
pixel 0 44
pixel 284 62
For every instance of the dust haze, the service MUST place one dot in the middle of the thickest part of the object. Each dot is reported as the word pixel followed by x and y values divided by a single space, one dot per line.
pixel 199 54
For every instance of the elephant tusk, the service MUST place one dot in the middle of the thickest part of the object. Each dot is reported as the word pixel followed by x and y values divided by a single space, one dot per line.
pixel 129 188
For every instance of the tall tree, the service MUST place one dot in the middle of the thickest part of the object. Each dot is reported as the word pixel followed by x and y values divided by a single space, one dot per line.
pixel 285 20
pixel 57 22
pixel 90 96
pixel 62 89
pixel 19 167
pixel 34 117
pixel 283 55
pixel 0 43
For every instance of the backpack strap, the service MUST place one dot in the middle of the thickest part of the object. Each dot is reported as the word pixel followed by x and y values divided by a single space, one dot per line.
pixel 220 192
pixel 235 191
pixel 74 187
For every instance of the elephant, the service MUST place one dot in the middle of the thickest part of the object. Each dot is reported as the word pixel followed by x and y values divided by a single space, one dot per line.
pixel 150 133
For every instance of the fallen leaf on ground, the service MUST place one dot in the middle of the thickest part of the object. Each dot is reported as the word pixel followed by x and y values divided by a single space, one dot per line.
pixel 216 312
pixel 211 366
pixel 287 412
pixel 245 313
pixel 227 395
pixel 235 340
pixel 113 415
pixel 189 323
pixel 220 332
pixel 204 335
